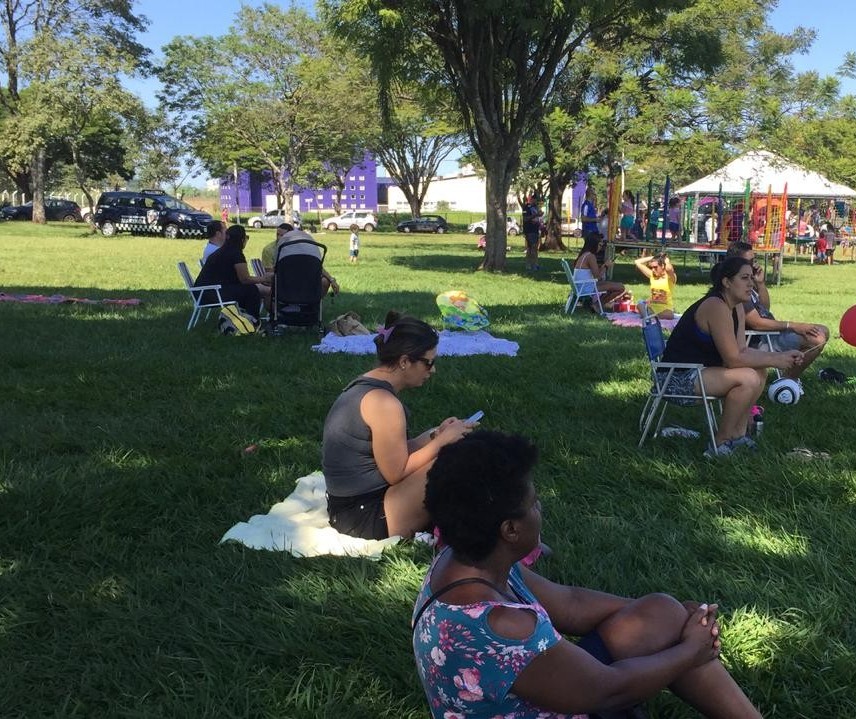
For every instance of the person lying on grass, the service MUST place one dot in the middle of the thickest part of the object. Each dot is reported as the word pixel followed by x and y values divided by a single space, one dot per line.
pixel 489 634
pixel 375 475
pixel 662 278
pixel 712 333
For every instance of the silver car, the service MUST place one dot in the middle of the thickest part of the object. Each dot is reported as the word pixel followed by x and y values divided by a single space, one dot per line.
pixel 480 227
pixel 274 218
pixel 364 219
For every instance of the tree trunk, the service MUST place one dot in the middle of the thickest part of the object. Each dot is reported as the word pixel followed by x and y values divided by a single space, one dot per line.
pixel 497 182
pixel 553 241
pixel 337 196
pixel 39 186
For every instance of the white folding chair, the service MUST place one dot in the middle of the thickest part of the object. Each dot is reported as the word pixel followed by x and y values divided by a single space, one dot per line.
pixel 197 295
pixel 764 338
pixel 580 287
pixel 661 376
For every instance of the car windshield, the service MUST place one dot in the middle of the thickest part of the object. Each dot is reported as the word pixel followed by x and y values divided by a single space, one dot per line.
pixel 174 204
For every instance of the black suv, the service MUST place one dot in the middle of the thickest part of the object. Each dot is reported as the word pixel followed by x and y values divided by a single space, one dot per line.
pixel 148 212
pixel 55 209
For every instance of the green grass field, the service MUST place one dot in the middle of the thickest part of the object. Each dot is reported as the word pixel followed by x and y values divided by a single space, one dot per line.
pixel 121 466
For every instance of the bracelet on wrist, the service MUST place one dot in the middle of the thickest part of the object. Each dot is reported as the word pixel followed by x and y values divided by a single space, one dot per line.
pixel 432 434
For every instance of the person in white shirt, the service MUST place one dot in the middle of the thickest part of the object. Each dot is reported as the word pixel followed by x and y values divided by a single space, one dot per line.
pixel 216 232
pixel 354 248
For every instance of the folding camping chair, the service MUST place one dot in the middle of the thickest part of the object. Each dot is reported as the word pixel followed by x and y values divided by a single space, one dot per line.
pixel 199 298
pixel 297 288
pixel 580 287
pixel 764 338
pixel 660 397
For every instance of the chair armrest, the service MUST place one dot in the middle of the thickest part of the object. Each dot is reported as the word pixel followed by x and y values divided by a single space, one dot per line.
pixel 677 365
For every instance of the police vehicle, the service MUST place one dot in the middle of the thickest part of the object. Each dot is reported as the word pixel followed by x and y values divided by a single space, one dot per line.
pixel 148 212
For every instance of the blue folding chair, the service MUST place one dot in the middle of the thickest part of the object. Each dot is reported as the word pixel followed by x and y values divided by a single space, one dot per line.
pixel 662 373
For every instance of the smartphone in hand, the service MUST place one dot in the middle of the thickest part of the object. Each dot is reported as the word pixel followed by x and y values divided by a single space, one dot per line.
pixel 475 418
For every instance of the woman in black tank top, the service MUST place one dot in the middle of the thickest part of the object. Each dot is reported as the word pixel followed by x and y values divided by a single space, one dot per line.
pixel 712 332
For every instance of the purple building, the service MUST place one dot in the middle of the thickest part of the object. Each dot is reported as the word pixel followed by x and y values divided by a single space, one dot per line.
pixel 254 192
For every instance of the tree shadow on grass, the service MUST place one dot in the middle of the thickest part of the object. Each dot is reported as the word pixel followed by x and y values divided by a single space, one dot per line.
pixel 123 466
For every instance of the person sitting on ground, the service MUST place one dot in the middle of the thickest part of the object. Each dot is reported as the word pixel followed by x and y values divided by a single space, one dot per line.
pixel 662 278
pixel 804 336
pixel 712 333
pixel 375 475
pixel 216 232
pixel 228 267
pixel 489 634
pixel 586 267
pixel 328 282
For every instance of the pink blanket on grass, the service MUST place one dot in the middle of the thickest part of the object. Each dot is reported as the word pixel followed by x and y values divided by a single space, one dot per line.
pixel 63 300
pixel 631 319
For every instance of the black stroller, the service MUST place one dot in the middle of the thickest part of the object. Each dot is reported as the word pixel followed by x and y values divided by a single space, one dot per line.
pixel 297 288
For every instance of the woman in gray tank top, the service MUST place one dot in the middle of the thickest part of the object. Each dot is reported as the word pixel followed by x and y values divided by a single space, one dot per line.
pixel 375 475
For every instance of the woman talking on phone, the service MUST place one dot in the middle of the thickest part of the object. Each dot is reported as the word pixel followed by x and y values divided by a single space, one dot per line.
pixel 375 474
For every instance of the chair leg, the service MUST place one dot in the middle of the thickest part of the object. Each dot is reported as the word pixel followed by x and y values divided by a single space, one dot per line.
pixel 568 303
pixel 599 305
pixel 576 301
pixel 654 402
pixel 710 415
pixel 194 317
pixel 660 420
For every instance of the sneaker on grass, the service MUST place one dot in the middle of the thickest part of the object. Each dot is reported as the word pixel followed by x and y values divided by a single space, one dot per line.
pixel 729 447
pixel 744 441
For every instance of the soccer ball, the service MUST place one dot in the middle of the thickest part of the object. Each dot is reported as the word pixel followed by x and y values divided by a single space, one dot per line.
pixel 785 391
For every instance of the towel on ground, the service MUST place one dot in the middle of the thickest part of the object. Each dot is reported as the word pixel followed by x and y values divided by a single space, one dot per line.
pixel 63 300
pixel 451 343
pixel 632 319
pixel 299 525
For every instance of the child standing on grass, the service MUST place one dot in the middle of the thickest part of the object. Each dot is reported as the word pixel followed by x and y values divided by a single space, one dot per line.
pixel 354 248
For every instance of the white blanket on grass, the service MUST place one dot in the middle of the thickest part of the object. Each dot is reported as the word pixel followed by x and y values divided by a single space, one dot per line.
pixel 298 525
pixel 451 343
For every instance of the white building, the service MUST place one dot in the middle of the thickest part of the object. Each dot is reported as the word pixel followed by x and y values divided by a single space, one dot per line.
pixel 465 191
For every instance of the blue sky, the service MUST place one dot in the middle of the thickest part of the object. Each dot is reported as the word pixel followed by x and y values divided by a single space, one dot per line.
pixel 836 33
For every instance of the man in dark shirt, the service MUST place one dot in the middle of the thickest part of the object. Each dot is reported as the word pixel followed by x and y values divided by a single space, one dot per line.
pixel 806 337
pixel 531 232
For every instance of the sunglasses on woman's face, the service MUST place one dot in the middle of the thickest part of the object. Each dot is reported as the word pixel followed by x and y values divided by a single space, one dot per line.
pixel 429 363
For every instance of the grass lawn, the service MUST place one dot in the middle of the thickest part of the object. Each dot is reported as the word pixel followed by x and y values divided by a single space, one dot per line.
pixel 121 466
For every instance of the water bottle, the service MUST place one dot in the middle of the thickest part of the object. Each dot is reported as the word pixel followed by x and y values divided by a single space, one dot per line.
pixel 759 427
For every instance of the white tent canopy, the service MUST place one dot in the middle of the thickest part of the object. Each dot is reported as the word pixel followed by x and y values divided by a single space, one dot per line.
pixel 766 170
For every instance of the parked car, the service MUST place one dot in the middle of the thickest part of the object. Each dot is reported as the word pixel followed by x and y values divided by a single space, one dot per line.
pixel 274 218
pixel 573 227
pixel 55 209
pixel 426 223
pixel 364 219
pixel 148 212
pixel 480 227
